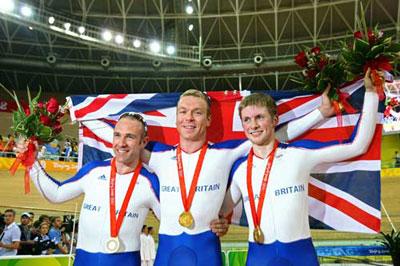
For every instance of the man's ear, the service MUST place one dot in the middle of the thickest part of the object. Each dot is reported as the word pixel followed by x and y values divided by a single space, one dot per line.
pixel 145 140
pixel 208 120
pixel 276 120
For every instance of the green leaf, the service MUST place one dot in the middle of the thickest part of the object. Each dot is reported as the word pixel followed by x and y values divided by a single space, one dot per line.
pixel 393 48
pixel 375 51
pixel 36 99
pixel 44 133
pixel 361 46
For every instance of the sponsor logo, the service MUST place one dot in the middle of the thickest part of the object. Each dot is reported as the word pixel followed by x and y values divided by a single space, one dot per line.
pixel 102 177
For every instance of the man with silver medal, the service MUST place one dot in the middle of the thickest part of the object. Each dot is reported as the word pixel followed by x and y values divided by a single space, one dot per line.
pixel 118 195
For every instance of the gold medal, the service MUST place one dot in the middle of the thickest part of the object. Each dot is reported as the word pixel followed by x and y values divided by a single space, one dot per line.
pixel 258 235
pixel 112 245
pixel 186 219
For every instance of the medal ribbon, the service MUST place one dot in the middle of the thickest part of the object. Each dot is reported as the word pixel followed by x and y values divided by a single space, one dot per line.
pixel 116 222
pixel 187 201
pixel 256 214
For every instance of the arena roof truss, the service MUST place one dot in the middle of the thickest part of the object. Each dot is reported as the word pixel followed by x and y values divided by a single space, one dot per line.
pixel 233 44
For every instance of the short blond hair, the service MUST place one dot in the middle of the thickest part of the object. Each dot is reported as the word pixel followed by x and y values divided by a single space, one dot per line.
pixel 198 94
pixel 261 100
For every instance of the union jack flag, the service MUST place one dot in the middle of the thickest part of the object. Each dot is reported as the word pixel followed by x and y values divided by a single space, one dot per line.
pixel 343 196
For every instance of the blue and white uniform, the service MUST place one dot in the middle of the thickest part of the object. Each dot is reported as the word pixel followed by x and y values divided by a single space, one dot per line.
pixel 284 220
pixel 94 221
pixel 199 246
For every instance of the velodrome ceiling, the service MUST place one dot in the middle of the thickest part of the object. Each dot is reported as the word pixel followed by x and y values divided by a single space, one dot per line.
pixel 227 34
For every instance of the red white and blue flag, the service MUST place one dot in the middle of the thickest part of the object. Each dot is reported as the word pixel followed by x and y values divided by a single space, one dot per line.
pixel 343 196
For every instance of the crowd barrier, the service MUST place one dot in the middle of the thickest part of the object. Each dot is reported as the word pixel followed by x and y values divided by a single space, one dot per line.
pixel 229 258
pixel 238 257
pixel 49 165
pixel 48 260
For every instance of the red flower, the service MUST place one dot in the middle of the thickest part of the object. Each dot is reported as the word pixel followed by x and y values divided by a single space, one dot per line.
pixel 316 50
pixel 393 102
pixel 311 73
pixel 40 105
pixel 358 35
pixel 45 120
pixel 52 106
pixel 371 37
pixel 57 128
pixel 27 111
pixel 301 59
pixel 322 63
pixel 387 111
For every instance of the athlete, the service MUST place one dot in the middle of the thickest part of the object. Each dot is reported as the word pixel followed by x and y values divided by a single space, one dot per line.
pixel 118 195
pixel 273 181
pixel 193 181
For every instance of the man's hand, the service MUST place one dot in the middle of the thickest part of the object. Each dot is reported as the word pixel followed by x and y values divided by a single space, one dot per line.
pixel 368 80
pixel 326 107
pixel 219 226
pixel 21 146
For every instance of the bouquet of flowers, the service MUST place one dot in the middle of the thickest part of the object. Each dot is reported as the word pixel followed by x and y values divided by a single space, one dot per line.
pixel 39 121
pixel 369 49
pixel 319 70
pixel 392 107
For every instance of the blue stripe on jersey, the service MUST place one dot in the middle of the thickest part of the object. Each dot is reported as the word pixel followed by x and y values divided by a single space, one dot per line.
pixel 84 258
pixel 85 170
pixel 93 154
pixel 195 250
pixel 300 252
pixel 356 183
pixel 229 144
pixel 154 146
pixel 235 166
pixel 155 183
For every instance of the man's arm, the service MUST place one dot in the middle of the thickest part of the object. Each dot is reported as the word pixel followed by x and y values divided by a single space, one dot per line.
pixel 297 127
pixel 53 190
pixel 363 136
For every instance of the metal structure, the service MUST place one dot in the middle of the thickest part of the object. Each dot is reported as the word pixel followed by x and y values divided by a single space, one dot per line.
pixel 233 44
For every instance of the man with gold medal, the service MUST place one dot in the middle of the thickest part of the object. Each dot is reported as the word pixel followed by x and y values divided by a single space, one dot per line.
pixel 118 195
pixel 273 180
pixel 193 180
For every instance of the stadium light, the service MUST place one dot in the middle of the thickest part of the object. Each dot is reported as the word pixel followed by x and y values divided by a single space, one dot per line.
pixel 170 49
pixel 107 36
pixel 7 6
pixel 190 27
pixel 155 47
pixel 137 43
pixel 26 11
pixel 67 26
pixel 189 9
pixel 51 20
pixel 81 30
pixel 119 39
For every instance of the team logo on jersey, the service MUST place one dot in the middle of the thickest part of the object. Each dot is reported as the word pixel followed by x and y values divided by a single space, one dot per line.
pixel 102 177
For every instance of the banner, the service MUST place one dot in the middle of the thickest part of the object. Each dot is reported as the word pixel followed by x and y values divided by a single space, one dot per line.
pixel 56 166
